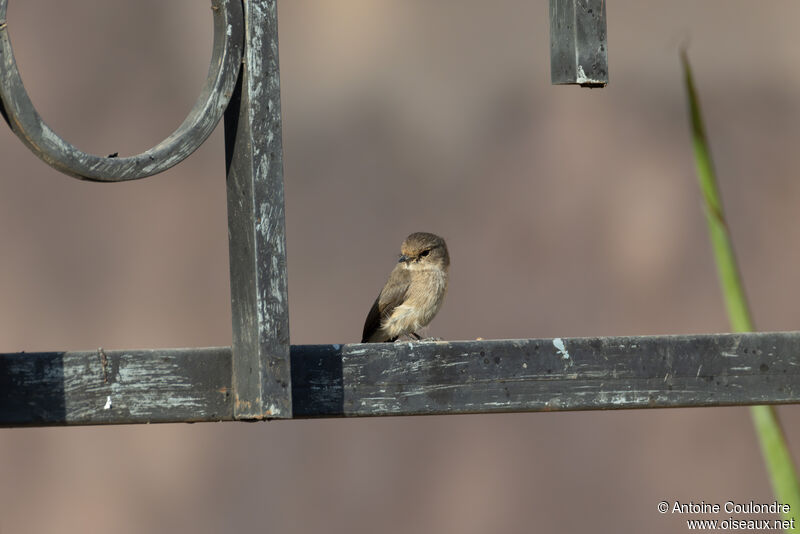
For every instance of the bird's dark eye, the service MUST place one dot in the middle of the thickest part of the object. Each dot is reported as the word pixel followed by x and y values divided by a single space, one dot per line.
pixel 424 253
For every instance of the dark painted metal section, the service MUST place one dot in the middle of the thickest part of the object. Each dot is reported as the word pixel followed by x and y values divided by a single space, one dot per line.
pixel 317 380
pixel 19 112
pixel 416 378
pixel 578 42
pixel 256 227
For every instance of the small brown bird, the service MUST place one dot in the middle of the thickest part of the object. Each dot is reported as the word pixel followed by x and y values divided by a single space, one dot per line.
pixel 414 292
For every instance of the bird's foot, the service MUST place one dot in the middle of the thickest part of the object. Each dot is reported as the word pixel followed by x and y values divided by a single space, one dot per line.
pixel 419 338
pixel 410 336
pixel 413 336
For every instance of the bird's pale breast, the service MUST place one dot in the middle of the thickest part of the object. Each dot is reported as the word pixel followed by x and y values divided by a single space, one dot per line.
pixel 423 300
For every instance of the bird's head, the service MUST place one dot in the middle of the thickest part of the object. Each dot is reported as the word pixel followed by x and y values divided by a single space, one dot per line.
pixel 422 250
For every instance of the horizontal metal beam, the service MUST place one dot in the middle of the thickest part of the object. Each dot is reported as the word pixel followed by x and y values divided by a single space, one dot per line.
pixel 419 378
pixel 546 374
pixel 115 387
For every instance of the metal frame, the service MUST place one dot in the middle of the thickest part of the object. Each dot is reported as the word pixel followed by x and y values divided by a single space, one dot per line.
pixel 418 378
pixel 261 376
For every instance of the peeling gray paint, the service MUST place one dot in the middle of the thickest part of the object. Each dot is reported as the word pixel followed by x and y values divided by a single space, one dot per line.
pixel 261 373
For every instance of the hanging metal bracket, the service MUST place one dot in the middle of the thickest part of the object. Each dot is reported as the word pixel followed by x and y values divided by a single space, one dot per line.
pixel 578 43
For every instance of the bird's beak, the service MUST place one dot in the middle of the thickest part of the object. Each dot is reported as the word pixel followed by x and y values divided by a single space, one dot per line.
pixel 403 258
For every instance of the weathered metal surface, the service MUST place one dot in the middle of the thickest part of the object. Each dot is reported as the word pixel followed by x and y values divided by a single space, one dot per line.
pixel 578 42
pixel 25 121
pixel 545 374
pixel 256 227
pixel 111 387
pixel 409 378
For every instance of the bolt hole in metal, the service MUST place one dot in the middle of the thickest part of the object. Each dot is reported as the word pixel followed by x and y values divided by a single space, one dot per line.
pixel 103 86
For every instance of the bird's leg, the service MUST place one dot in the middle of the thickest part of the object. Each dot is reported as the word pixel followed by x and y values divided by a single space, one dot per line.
pixel 418 337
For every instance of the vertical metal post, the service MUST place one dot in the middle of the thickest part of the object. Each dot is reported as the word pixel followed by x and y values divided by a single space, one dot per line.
pixel 256 227
pixel 578 43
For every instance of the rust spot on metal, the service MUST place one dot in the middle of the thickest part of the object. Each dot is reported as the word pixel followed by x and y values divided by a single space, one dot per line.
pixel 104 362
pixel 242 405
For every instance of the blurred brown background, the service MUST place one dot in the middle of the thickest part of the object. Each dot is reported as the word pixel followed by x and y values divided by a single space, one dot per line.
pixel 568 212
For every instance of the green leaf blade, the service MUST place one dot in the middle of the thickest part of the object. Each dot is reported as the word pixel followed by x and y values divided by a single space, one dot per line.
pixel 780 466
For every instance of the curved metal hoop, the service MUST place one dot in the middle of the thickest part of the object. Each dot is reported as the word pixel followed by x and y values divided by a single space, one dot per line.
pixel 208 110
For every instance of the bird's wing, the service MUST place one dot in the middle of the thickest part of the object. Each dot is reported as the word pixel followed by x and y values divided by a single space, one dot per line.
pixel 373 322
pixel 393 294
